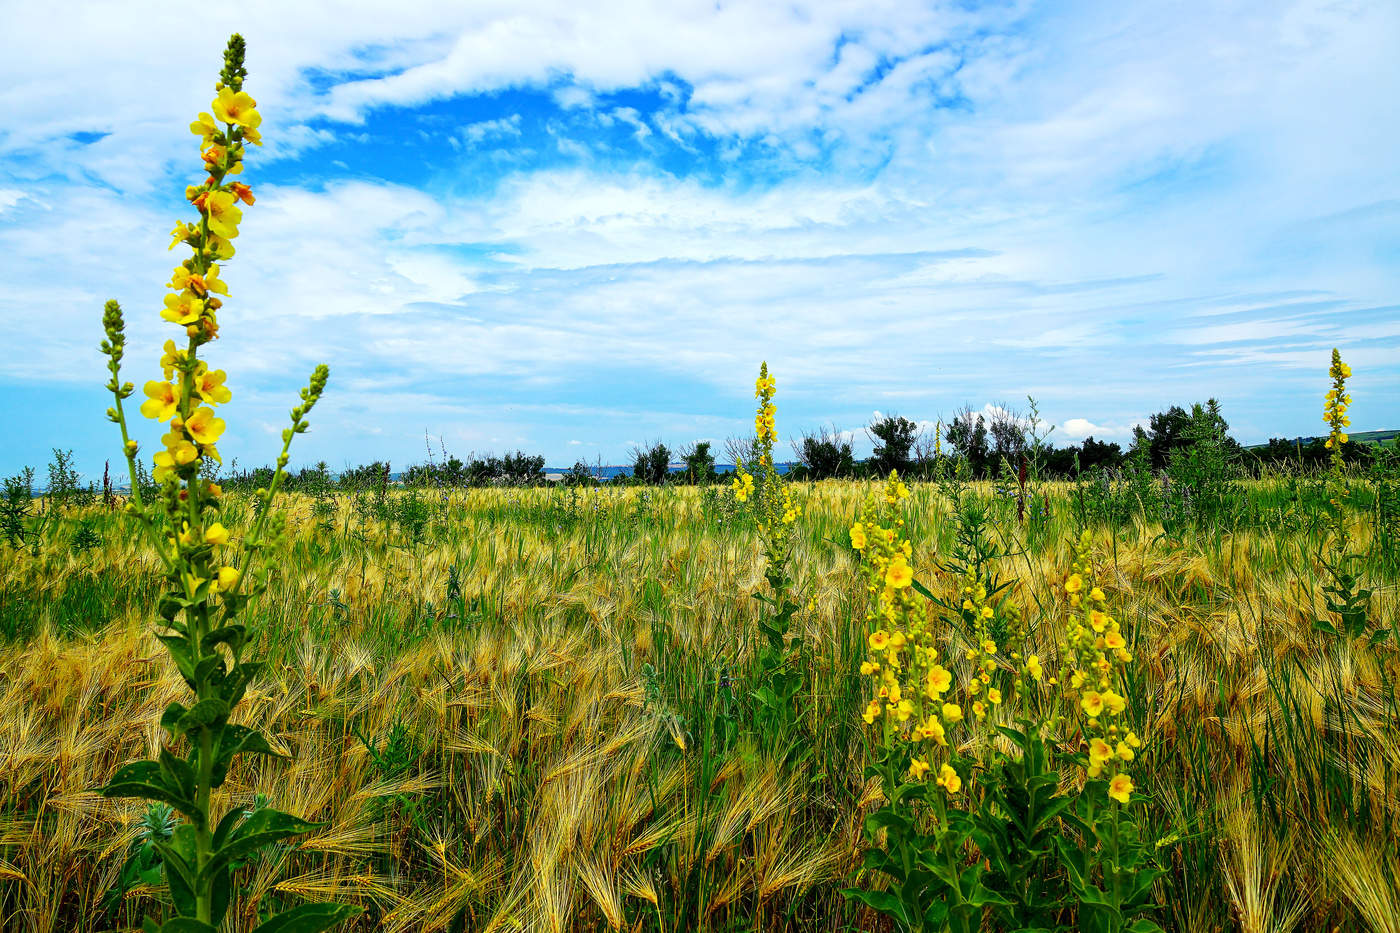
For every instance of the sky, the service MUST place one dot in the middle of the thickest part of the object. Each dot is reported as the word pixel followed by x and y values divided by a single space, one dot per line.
pixel 576 228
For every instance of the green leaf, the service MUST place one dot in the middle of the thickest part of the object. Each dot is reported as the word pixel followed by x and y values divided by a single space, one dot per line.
pixel 144 779
pixel 206 712
pixel 237 740
pixel 186 925
pixel 880 901
pixel 263 828
pixel 170 719
pixel 308 918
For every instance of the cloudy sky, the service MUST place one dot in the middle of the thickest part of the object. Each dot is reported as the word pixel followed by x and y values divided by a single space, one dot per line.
pixel 570 228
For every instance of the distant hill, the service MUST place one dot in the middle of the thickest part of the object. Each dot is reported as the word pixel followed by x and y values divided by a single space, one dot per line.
pixel 1360 437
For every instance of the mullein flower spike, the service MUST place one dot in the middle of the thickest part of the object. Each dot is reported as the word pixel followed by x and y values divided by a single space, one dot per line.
pixel 205 586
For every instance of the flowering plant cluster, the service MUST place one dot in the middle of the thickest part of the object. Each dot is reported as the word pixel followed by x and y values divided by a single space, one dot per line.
pixel 759 486
pixel 1335 409
pixel 1094 654
pixel 205 588
pixel 911 684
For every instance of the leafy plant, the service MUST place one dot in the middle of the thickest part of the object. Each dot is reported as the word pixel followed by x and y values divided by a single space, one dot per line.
pixel 205 595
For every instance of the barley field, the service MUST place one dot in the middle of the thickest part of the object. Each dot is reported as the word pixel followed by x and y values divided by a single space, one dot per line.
pixel 539 709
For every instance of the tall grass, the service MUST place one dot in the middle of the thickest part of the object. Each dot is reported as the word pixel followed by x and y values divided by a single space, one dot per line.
pixel 520 715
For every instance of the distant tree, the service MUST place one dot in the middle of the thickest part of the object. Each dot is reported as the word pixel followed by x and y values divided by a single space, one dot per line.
pixel 739 450
pixel 651 464
pixel 1007 430
pixel 580 474
pixel 825 453
pixel 894 438
pixel 522 469
pixel 967 436
pixel 1176 428
pixel 1094 453
pixel 699 463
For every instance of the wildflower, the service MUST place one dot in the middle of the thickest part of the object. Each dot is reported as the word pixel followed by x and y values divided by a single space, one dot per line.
pixel 228 577
pixel 1114 702
pixel 1092 702
pixel 899 575
pixel 220 208
pixel 917 769
pixel 903 710
pixel 1121 788
pixel 1033 667
pixel 1098 620
pixel 872 709
pixel 216 534
pixel 993 695
pixel 209 386
pixel 952 712
pixel 1096 595
pixel 879 640
pixel 167 461
pixel 1074 584
pixel 939 680
pixel 163 401
pixel 1114 641
pixel 949 780
pixel 858 536
pixel 989 646
pixel 868 667
pixel 987 612
pixel 236 107
pixel 205 128
pixel 1124 752
pixel 1099 751
pixel 203 427
pixel 184 308
pixel 242 192
pixel 933 729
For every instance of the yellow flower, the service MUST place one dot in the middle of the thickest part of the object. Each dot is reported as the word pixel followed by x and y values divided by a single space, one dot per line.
pixel 222 211
pixel 1098 620
pixel 1113 640
pixel 235 107
pixel 858 536
pixel 904 710
pixel 987 612
pixel 917 769
pixel 899 575
pixel 170 359
pixel 203 427
pixel 1113 701
pixel 1121 788
pixel 872 709
pixel 867 668
pixel 228 577
pixel 993 695
pixel 1124 752
pixel 948 779
pixel 933 729
pixel 163 401
pixel 183 308
pixel 939 680
pixel 1092 703
pixel 1096 595
pixel 205 128
pixel 1099 751
pixel 1033 667
pixel 989 646
pixel 879 640
pixel 216 534
pixel 167 461
pixel 952 712
pixel 1074 584
pixel 209 386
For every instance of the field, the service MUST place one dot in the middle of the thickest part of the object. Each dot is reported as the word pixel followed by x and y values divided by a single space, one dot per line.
pixel 550 709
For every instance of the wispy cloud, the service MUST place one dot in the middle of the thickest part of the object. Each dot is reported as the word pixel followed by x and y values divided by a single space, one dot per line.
pixel 517 224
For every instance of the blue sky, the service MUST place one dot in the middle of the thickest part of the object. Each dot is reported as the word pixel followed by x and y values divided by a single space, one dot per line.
pixel 574 228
